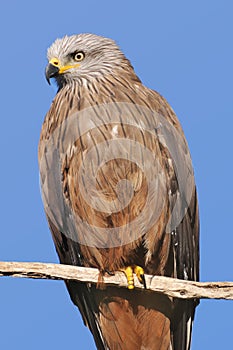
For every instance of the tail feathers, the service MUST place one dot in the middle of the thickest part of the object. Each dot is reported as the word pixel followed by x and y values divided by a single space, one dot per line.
pixel 120 319
pixel 133 320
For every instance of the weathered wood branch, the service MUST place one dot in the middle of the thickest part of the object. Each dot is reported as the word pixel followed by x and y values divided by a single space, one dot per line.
pixel 165 285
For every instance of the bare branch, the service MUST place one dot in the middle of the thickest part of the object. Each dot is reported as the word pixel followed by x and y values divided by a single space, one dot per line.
pixel 165 285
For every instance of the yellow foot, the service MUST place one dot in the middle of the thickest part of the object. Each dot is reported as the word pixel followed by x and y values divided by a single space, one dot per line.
pixel 129 271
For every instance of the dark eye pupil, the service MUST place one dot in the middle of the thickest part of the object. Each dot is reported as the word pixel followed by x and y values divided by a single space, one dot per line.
pixel 78 56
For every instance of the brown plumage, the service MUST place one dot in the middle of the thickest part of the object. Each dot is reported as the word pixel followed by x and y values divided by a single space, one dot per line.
pixel 104 124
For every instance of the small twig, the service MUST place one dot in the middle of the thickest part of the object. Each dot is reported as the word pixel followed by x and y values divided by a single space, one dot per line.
pixel 164 285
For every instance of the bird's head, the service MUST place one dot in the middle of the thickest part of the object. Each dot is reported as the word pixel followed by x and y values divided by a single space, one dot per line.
pixel 84 56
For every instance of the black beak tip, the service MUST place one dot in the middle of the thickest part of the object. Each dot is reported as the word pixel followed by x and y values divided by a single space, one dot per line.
pixel 51 71
pixel 48 80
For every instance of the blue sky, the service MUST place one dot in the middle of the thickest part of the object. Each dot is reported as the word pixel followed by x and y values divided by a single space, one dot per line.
pixel 183 50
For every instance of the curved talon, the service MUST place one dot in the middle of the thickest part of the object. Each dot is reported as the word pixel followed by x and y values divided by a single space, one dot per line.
pixel 138 270
pixel 129 271
pixel 110 273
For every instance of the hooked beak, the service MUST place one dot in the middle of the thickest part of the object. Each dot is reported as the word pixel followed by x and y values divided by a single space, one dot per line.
pixel 51 71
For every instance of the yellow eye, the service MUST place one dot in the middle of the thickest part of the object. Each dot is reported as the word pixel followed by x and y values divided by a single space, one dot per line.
pixel 78 56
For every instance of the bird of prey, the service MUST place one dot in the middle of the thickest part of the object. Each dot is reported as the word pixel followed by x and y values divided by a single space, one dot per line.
pixel 119 194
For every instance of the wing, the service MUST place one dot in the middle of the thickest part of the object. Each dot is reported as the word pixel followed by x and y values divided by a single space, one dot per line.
pixel 140 209
pixel 186 255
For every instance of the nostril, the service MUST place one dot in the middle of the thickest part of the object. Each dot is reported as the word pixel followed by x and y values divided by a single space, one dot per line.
pixel 55 62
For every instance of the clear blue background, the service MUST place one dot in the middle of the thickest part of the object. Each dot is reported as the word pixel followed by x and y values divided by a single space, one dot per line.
pixel 182 49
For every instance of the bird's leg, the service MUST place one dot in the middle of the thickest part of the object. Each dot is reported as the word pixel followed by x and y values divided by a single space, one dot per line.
pixel 129 271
